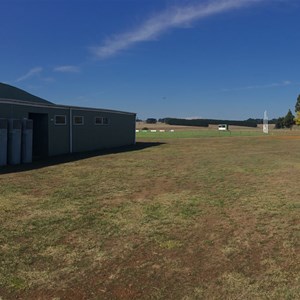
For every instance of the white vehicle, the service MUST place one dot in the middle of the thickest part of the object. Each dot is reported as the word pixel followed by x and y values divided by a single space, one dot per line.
pixel 223 127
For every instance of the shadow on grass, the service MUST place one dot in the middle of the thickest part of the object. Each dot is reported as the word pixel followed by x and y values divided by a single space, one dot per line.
pixel 61 159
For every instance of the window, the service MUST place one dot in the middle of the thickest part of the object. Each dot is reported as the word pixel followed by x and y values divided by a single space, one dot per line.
pixel 98 121
pixel 105 121
pixel 101 121
pixel 78 120
pixel 60 120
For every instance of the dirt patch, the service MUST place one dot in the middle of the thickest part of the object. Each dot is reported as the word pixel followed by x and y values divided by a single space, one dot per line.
pixel 285 137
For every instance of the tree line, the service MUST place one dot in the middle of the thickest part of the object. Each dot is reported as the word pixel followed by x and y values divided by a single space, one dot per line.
pixel 205 122
pixel 289 120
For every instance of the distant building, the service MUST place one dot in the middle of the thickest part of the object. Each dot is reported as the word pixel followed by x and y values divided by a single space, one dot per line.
pixel 60 129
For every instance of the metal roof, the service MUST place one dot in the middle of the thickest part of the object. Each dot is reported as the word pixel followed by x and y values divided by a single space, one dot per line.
pixel 12 95
pixel 11 92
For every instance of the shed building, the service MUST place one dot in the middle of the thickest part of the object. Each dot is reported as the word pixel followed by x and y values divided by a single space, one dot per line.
pixel 60 129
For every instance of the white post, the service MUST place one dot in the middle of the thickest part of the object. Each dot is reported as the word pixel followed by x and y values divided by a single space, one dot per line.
pixel 266 124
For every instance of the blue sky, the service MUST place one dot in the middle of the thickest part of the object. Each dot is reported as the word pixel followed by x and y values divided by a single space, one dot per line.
pixel 229 59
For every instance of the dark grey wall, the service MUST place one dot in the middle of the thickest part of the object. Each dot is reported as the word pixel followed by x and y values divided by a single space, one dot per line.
pixel 119 132
pixel 58 135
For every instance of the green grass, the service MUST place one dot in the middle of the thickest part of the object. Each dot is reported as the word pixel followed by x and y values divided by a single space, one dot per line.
pixel 197 134
pixel 199 218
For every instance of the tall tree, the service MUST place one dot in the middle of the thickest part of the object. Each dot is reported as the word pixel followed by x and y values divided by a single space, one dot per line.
pixel 289 120
pixel 297 119
pixel 297 106
pixel 279 123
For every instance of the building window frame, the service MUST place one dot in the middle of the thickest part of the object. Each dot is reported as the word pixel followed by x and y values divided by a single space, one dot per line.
pixel 60 123
pixel 105 121
pixel 98 121
pixel 78 117
pixel 101 121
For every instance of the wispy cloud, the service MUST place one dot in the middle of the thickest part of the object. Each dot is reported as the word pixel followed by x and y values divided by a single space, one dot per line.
pixel 31 73
pixel 67 69
pixel 175 17
pixel 263 86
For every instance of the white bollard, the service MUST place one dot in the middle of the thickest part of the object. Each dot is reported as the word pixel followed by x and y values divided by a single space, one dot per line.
pixel 153 130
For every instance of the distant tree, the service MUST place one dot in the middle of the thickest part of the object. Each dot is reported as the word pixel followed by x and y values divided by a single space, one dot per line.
pixel 279 123
pixel 297 119
pixel 256 121
pixel 151 121
pixel 273 121
pixel 289 120
pixel 297 106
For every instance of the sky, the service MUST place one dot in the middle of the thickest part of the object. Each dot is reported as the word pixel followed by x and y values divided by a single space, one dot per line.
pixel 222 59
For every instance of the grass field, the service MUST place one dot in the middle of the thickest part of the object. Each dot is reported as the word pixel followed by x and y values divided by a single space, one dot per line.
pixel 196 134
pixel 175 218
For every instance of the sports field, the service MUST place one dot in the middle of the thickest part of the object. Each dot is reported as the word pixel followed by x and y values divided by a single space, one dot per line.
pixel 190 216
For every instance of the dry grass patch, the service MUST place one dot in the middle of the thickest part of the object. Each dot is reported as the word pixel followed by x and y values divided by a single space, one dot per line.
pixel 190 219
